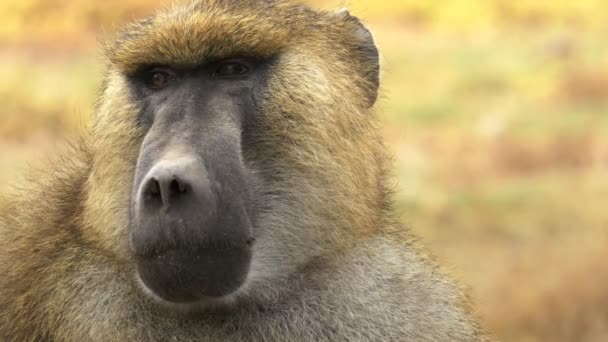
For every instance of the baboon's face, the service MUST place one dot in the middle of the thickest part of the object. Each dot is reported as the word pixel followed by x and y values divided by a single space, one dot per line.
pixel 192 214
pixel 255 153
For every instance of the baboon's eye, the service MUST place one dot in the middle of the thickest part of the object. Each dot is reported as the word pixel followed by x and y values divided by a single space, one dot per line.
pixel 231 69
pixel 157 78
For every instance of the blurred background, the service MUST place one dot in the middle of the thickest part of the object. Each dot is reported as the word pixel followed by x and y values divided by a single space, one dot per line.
pixel 496 112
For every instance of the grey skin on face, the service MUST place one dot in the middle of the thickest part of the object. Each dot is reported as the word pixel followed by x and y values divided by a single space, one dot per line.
pixel 191 226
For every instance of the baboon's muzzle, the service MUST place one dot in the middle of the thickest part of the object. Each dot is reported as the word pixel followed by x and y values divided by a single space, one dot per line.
pixel 190 234
pixel 191 213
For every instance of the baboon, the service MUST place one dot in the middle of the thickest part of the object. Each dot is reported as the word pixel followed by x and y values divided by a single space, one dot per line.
pixel 233 186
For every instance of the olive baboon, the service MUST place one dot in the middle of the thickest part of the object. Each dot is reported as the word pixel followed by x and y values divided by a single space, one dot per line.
pixel 232 187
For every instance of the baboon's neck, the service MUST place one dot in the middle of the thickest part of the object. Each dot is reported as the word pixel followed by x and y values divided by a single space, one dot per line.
pixel 39 234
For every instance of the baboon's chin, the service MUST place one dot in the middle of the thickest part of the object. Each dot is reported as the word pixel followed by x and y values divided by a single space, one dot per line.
pixel 183 277
pixel 194 308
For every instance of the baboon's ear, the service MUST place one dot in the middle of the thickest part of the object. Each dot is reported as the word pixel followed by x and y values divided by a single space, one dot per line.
pixel 365 53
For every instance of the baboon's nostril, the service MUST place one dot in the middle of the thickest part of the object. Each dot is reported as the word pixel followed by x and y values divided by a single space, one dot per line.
pixel 152 190
pixel 152 193
pixel 173 184
pixel 177 187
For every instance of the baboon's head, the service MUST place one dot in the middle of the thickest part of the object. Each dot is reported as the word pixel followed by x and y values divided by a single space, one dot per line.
pixel 239 134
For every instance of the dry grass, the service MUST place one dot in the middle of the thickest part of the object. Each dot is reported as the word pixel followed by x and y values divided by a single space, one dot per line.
pixel 566 302
pixel 495 111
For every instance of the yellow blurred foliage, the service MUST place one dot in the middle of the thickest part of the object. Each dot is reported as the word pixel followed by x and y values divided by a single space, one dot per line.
pixel 40 19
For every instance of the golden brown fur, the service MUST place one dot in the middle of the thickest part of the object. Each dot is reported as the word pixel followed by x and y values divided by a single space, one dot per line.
pixel 330 263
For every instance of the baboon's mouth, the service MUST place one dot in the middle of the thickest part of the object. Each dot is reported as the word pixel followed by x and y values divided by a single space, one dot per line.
pixel 185 276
